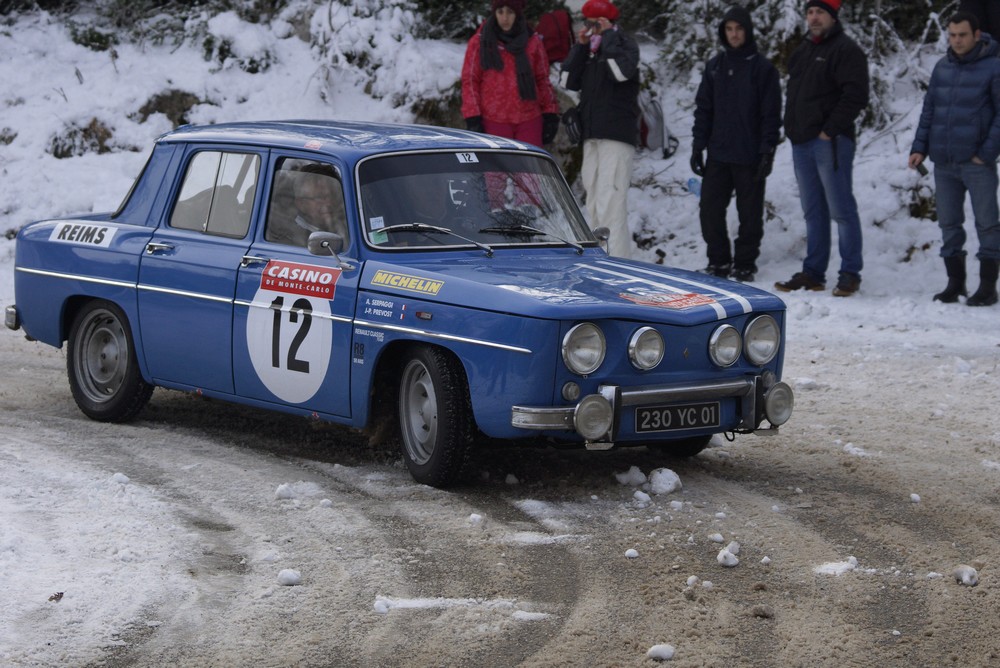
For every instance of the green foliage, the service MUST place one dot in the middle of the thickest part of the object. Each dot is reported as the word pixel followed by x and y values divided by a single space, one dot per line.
pixel 92 38
pixel 13 6
pixel 220 51
pixel 94 137
pixel 441 19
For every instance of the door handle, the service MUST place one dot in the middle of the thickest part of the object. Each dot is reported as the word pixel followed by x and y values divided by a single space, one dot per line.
pixel 154 247
pixel 253 259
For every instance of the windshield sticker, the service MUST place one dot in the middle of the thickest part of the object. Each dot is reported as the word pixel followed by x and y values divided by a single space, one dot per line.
pixel 423 286
pixel 300 279
pixel 375 224
pixel 467 158
pixel 668 299
pixel 81 233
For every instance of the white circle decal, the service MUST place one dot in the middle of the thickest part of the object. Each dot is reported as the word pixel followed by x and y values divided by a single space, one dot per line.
pixel 290 337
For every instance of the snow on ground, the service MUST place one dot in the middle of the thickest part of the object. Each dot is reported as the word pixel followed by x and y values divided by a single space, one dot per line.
pixel 98 524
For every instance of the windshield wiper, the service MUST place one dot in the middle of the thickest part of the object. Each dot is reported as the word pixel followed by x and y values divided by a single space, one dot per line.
pixel 421 227
pixel 528 230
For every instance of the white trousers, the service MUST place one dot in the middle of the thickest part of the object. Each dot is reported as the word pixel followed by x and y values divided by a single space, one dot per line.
pixel 607 174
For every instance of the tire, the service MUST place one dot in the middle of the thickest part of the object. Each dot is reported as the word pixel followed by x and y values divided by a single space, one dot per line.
pixel 682 448
pixel 435 416
pixel 103 371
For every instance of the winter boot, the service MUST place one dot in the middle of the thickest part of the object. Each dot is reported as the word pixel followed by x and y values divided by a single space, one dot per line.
pixel 955 266
pixel 986 294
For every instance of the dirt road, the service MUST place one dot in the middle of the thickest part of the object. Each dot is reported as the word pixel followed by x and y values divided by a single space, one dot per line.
pixel 850 524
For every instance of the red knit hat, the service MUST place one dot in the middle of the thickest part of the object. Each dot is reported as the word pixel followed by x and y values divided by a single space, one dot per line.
pixel 829 6
pixel 595 9
pixel 516 5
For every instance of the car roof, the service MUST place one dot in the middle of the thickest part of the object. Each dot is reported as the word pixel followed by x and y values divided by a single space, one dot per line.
pixel 345 138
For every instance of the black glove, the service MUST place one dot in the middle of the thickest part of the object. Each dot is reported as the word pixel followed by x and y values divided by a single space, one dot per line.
pixel 550 126
pixel 765 166
pixel 697 163
pixel 474 123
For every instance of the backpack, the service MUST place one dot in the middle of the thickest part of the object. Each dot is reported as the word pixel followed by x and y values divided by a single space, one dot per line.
pixel 653 131
pixel 554 29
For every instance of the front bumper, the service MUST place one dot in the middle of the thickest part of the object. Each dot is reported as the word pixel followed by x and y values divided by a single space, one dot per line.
pixel 760 398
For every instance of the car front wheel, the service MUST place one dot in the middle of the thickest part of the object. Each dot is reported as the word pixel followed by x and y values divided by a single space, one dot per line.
pixel 103 372
pixel 435 416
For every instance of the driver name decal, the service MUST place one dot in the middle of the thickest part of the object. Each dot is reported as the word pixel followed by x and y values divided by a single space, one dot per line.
pixel 423 286
pixel 300 279
pixel 669 300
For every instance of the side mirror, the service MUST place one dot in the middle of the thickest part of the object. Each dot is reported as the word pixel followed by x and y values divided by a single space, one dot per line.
pixel 603 234
pixel 327 243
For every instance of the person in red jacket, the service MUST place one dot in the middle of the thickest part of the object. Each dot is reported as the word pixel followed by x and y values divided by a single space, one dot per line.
pixel 505 79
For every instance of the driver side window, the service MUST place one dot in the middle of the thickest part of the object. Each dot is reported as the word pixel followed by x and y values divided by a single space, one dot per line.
pixel 306 197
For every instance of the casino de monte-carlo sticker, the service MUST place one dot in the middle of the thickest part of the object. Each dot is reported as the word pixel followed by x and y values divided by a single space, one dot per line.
pixel 289 330
pixel 668 299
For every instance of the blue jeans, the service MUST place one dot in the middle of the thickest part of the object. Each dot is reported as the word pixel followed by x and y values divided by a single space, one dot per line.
pixel 951 181
pixel 826 192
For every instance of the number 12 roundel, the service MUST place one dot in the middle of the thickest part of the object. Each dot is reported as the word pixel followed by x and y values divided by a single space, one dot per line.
pixel 289 330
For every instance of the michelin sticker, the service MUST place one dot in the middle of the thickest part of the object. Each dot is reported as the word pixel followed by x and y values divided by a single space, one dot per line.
pixel 289 330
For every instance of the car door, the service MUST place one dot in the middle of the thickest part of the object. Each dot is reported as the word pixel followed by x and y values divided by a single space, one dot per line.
pixel 187 275
pixel 294 310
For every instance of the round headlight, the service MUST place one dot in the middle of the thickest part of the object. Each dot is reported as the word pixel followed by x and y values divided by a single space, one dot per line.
pixel 645 348
pixel 593 417
pixel 761 339
pixel 583 348
pixel 725 345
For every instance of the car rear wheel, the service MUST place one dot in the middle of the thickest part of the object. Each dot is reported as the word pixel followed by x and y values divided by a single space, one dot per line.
pixel 435 416
pixel 103 372
pixel 682 448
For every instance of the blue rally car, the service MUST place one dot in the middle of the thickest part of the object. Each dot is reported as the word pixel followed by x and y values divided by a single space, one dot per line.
pixel 437 285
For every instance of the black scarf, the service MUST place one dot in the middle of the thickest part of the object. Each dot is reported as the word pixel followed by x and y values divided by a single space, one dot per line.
pixel 516 42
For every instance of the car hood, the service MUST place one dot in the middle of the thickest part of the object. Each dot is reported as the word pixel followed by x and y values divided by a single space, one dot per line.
pixel 561 286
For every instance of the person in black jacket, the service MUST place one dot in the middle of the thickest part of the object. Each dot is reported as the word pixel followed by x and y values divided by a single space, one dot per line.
pixel 828 88
pixel 604 66
pixel 737 117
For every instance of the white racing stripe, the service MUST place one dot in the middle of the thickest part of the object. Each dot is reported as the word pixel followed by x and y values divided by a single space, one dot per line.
pixel 719 308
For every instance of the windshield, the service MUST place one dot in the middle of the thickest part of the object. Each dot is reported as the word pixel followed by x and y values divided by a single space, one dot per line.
pixel 430 200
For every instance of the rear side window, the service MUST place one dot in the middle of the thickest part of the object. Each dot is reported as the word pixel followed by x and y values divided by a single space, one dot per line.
pixel 217 194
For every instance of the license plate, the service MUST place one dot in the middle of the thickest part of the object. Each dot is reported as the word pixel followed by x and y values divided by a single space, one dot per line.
pixel 674 418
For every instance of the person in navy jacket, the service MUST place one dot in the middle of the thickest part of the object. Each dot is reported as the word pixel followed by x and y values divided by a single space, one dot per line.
pixel 737 118
pixel 959 130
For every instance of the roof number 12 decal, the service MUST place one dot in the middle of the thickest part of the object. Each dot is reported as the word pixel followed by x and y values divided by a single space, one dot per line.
pixel 289 331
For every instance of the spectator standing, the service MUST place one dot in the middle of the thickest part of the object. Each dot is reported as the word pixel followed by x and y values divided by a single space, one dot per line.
pixel 959 130
pixel 828 88
pixel 737 117
pixel 604 66
pixel 505 79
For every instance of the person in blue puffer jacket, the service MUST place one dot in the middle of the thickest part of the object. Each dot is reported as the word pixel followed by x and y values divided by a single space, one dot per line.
pixel 959 130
